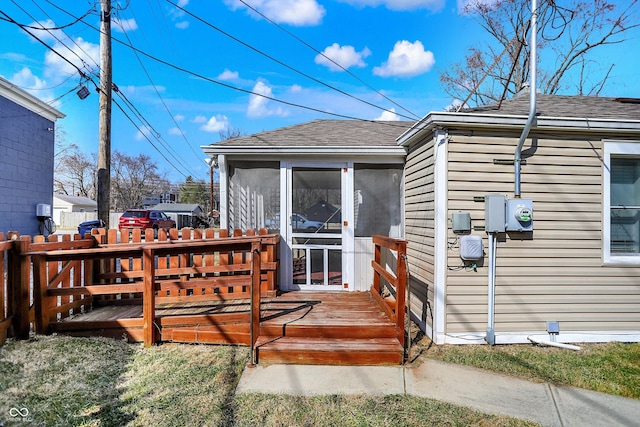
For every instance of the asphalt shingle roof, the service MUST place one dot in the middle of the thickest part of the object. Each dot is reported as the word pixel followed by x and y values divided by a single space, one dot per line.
pixel 326 133
pixel 590 107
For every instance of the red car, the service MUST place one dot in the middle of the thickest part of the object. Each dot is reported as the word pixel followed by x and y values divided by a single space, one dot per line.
pixel 145 218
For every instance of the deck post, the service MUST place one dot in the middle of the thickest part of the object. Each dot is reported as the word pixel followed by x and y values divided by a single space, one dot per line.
pixel 148 297
pixel 40 303
pixel 377 258
pixel 254 327
pixel 401 290
pixel 19 271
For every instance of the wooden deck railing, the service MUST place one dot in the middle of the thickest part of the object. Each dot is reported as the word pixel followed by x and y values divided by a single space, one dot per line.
pixel 5 293
pixel 70 276
pixel 390 284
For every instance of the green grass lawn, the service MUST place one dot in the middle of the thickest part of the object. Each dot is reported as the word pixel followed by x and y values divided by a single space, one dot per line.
pixel 612 368
pixel 65 381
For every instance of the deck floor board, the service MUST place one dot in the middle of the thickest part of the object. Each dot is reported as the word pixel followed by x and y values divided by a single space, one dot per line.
pixel 295 327
pixel 306 308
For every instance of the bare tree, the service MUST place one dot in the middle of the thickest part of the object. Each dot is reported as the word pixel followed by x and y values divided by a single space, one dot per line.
pixel 568 32
pixel 74 171
pixel 230 134
pixel 134 178
pixel 75 174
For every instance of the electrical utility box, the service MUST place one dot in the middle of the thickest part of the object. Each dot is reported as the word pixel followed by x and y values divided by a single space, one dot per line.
pixel 519 215
pixel 461 222
pixel 43 210
pixel 471 248
pixel 494 213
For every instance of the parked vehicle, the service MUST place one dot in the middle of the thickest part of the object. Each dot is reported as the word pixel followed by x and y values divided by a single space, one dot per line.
pixel 301 223
pixel 87 226
pixel 145 218
pixel 298 221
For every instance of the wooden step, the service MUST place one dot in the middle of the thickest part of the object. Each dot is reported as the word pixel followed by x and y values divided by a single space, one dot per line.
pixel 329 330
pixel 329 351
pixel 218 334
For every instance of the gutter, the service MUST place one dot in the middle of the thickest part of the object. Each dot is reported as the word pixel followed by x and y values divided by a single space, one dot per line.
pixel 281 150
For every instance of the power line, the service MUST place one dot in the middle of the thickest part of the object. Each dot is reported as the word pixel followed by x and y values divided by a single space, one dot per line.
pixel 219 83
pixel 277 61
pixel 127 101
pixel 50 31
pixel 160 96
pixel 88 78
pixel 326 57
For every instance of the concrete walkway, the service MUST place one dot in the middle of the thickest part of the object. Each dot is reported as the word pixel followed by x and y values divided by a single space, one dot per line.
pixel 484 391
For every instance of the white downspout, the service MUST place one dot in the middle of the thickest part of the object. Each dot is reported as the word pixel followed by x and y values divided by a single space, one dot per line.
pixel 532 96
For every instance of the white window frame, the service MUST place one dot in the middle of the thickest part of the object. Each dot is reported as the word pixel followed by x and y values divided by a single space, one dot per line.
pixel 614 148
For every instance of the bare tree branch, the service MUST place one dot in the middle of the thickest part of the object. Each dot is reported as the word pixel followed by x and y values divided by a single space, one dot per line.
pixel 569 32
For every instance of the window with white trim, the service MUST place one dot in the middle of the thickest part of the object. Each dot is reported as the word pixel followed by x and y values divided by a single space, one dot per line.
pixel 621 201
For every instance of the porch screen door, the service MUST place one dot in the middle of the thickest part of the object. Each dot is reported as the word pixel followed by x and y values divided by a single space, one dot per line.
pixel 315 227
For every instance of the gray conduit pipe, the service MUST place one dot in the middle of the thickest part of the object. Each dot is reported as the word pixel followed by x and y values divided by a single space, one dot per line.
pixel 491 337
pixel 533 89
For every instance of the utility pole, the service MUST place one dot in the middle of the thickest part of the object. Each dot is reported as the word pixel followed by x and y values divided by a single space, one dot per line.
pixel 104 146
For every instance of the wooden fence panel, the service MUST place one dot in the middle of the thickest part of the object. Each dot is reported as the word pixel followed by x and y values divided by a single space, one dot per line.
pixel 65 286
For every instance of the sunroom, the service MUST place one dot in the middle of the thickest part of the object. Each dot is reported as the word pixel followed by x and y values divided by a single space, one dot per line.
pixel 325 186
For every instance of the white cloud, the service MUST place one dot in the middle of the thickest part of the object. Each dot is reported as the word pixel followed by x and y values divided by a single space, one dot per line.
pixel 199 119
pixel 25 78
pixel 178 117
pixel 216 124
pixel 455 104
pixel 47 35
pixel 176 15
pixel 143 133
pixel 295 89
pixel 293 12
pixel 32 83
pixel 176 131
pixel 258 105
pixel 83 53
pixel 406 60
pixel 346 56
pixel 433 5
pixel 388 115
pixel 125 25
pixel 228 75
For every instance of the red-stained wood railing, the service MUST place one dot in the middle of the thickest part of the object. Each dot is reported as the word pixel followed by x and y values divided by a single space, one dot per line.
pixel 5 290
pixel 390 285
pixel 47 281
pixel 20 280
pixel 166 266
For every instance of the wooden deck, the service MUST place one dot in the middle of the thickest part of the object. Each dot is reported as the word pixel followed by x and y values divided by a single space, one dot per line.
pixel 199 287
pixel 338 328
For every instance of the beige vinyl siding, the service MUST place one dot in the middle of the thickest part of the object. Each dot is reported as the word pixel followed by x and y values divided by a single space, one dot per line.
pixel 558 274
pixel 419 228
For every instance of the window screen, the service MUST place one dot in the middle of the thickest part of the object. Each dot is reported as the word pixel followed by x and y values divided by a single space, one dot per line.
pixel 254 195
pixel 377 200
pixel 625 205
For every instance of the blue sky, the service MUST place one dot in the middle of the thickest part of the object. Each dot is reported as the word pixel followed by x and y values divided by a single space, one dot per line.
pixel 200 61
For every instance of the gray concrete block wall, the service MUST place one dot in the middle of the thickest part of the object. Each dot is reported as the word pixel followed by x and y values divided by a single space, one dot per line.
pixel 26 166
